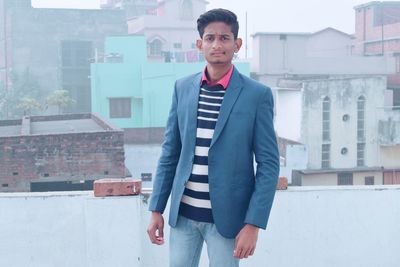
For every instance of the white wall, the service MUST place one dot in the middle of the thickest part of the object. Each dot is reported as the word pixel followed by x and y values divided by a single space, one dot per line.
pixel 288 108
pixel 309 226
pixel 276 56
pixel 68 229
pixel 329 43
pixel 142 158
pixel 296 159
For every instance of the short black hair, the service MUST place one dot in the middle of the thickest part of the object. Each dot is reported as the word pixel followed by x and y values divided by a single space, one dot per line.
pixel 218 15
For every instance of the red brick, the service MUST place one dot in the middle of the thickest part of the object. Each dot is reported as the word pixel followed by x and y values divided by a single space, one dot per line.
pixel 117 187
pixel 282 183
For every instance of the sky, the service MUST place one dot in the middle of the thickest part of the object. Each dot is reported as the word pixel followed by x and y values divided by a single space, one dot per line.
pixel 265 15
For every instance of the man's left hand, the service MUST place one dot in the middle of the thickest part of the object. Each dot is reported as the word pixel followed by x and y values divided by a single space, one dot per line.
pixel 245 242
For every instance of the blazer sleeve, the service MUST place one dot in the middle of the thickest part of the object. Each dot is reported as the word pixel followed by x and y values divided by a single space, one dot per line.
pixel 170 152
pixel 267 158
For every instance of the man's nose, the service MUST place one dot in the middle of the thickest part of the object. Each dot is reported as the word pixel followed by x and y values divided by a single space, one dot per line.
pixel 216 44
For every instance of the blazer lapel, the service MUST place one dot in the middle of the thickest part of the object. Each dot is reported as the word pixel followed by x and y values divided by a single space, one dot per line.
pixel 232 92
pixel 193 99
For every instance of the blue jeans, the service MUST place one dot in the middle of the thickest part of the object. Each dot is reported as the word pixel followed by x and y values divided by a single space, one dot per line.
pixel 186 242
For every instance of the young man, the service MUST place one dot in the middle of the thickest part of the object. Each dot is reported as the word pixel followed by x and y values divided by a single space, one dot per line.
pixel 219 120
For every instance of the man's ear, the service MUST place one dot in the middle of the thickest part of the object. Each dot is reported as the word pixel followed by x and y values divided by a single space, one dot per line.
pixel 238 44
pixel 199 44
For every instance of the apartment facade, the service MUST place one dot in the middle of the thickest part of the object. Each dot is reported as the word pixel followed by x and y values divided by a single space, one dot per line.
pixel 349 133
pixel 326 53
pixel 53 48
pixel 135 92
pixel 171 31
pixel 378 35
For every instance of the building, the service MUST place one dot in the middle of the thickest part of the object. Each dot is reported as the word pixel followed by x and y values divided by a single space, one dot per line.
pixel 132 8
pixel 171 31
pixel 293 156
pixel 62 152
pixel 135 93
pixel 54 47
pixel 349 133
pixel 304 69
pixel 378 35
pixel 322 54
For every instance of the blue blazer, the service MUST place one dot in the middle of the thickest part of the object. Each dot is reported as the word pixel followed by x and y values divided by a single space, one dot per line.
pixel 238 194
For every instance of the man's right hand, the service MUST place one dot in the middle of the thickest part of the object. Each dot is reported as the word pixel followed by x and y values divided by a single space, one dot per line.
pixel 156 228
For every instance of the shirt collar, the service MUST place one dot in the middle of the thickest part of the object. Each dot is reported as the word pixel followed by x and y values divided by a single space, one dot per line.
pixel 224 81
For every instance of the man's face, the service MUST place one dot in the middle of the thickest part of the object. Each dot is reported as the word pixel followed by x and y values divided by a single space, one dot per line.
pixel 218 43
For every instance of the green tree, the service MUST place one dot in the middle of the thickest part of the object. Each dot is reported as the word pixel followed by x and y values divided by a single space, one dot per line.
pixel 14 101
pixel 60 99
pixel 28 104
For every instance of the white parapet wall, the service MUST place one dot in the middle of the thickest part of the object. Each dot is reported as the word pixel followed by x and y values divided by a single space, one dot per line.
pixel 309 226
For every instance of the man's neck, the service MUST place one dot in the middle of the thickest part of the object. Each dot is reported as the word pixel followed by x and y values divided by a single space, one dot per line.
pixel 215 73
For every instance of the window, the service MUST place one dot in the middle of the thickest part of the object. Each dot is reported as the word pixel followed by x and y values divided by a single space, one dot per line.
pixel 156 48
pixel 386 14
pixel 120 108
pixel 114 58
pixel 75 72
pixel 177 45
pixel 345 178
pixel 396 98
pixel 398 62
pixel 360 154
pixel 326 107
pixel 369 180
pixel 361 119
pixel 325 159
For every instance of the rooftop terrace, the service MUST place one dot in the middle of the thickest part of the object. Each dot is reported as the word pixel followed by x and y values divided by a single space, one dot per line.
pixel 309 226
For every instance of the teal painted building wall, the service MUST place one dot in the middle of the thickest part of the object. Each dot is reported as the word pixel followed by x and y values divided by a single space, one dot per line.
pixel 149 85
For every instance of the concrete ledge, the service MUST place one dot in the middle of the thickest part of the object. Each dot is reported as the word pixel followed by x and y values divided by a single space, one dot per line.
pixel 315 226
pixel 26 126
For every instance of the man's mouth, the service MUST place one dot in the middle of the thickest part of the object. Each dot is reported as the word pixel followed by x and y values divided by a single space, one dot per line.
pixel 218 53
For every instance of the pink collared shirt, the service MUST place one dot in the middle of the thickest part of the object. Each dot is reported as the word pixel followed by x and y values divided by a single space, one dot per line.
pixel 224 81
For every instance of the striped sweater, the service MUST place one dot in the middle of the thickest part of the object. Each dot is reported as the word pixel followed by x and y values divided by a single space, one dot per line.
pixel 195 203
